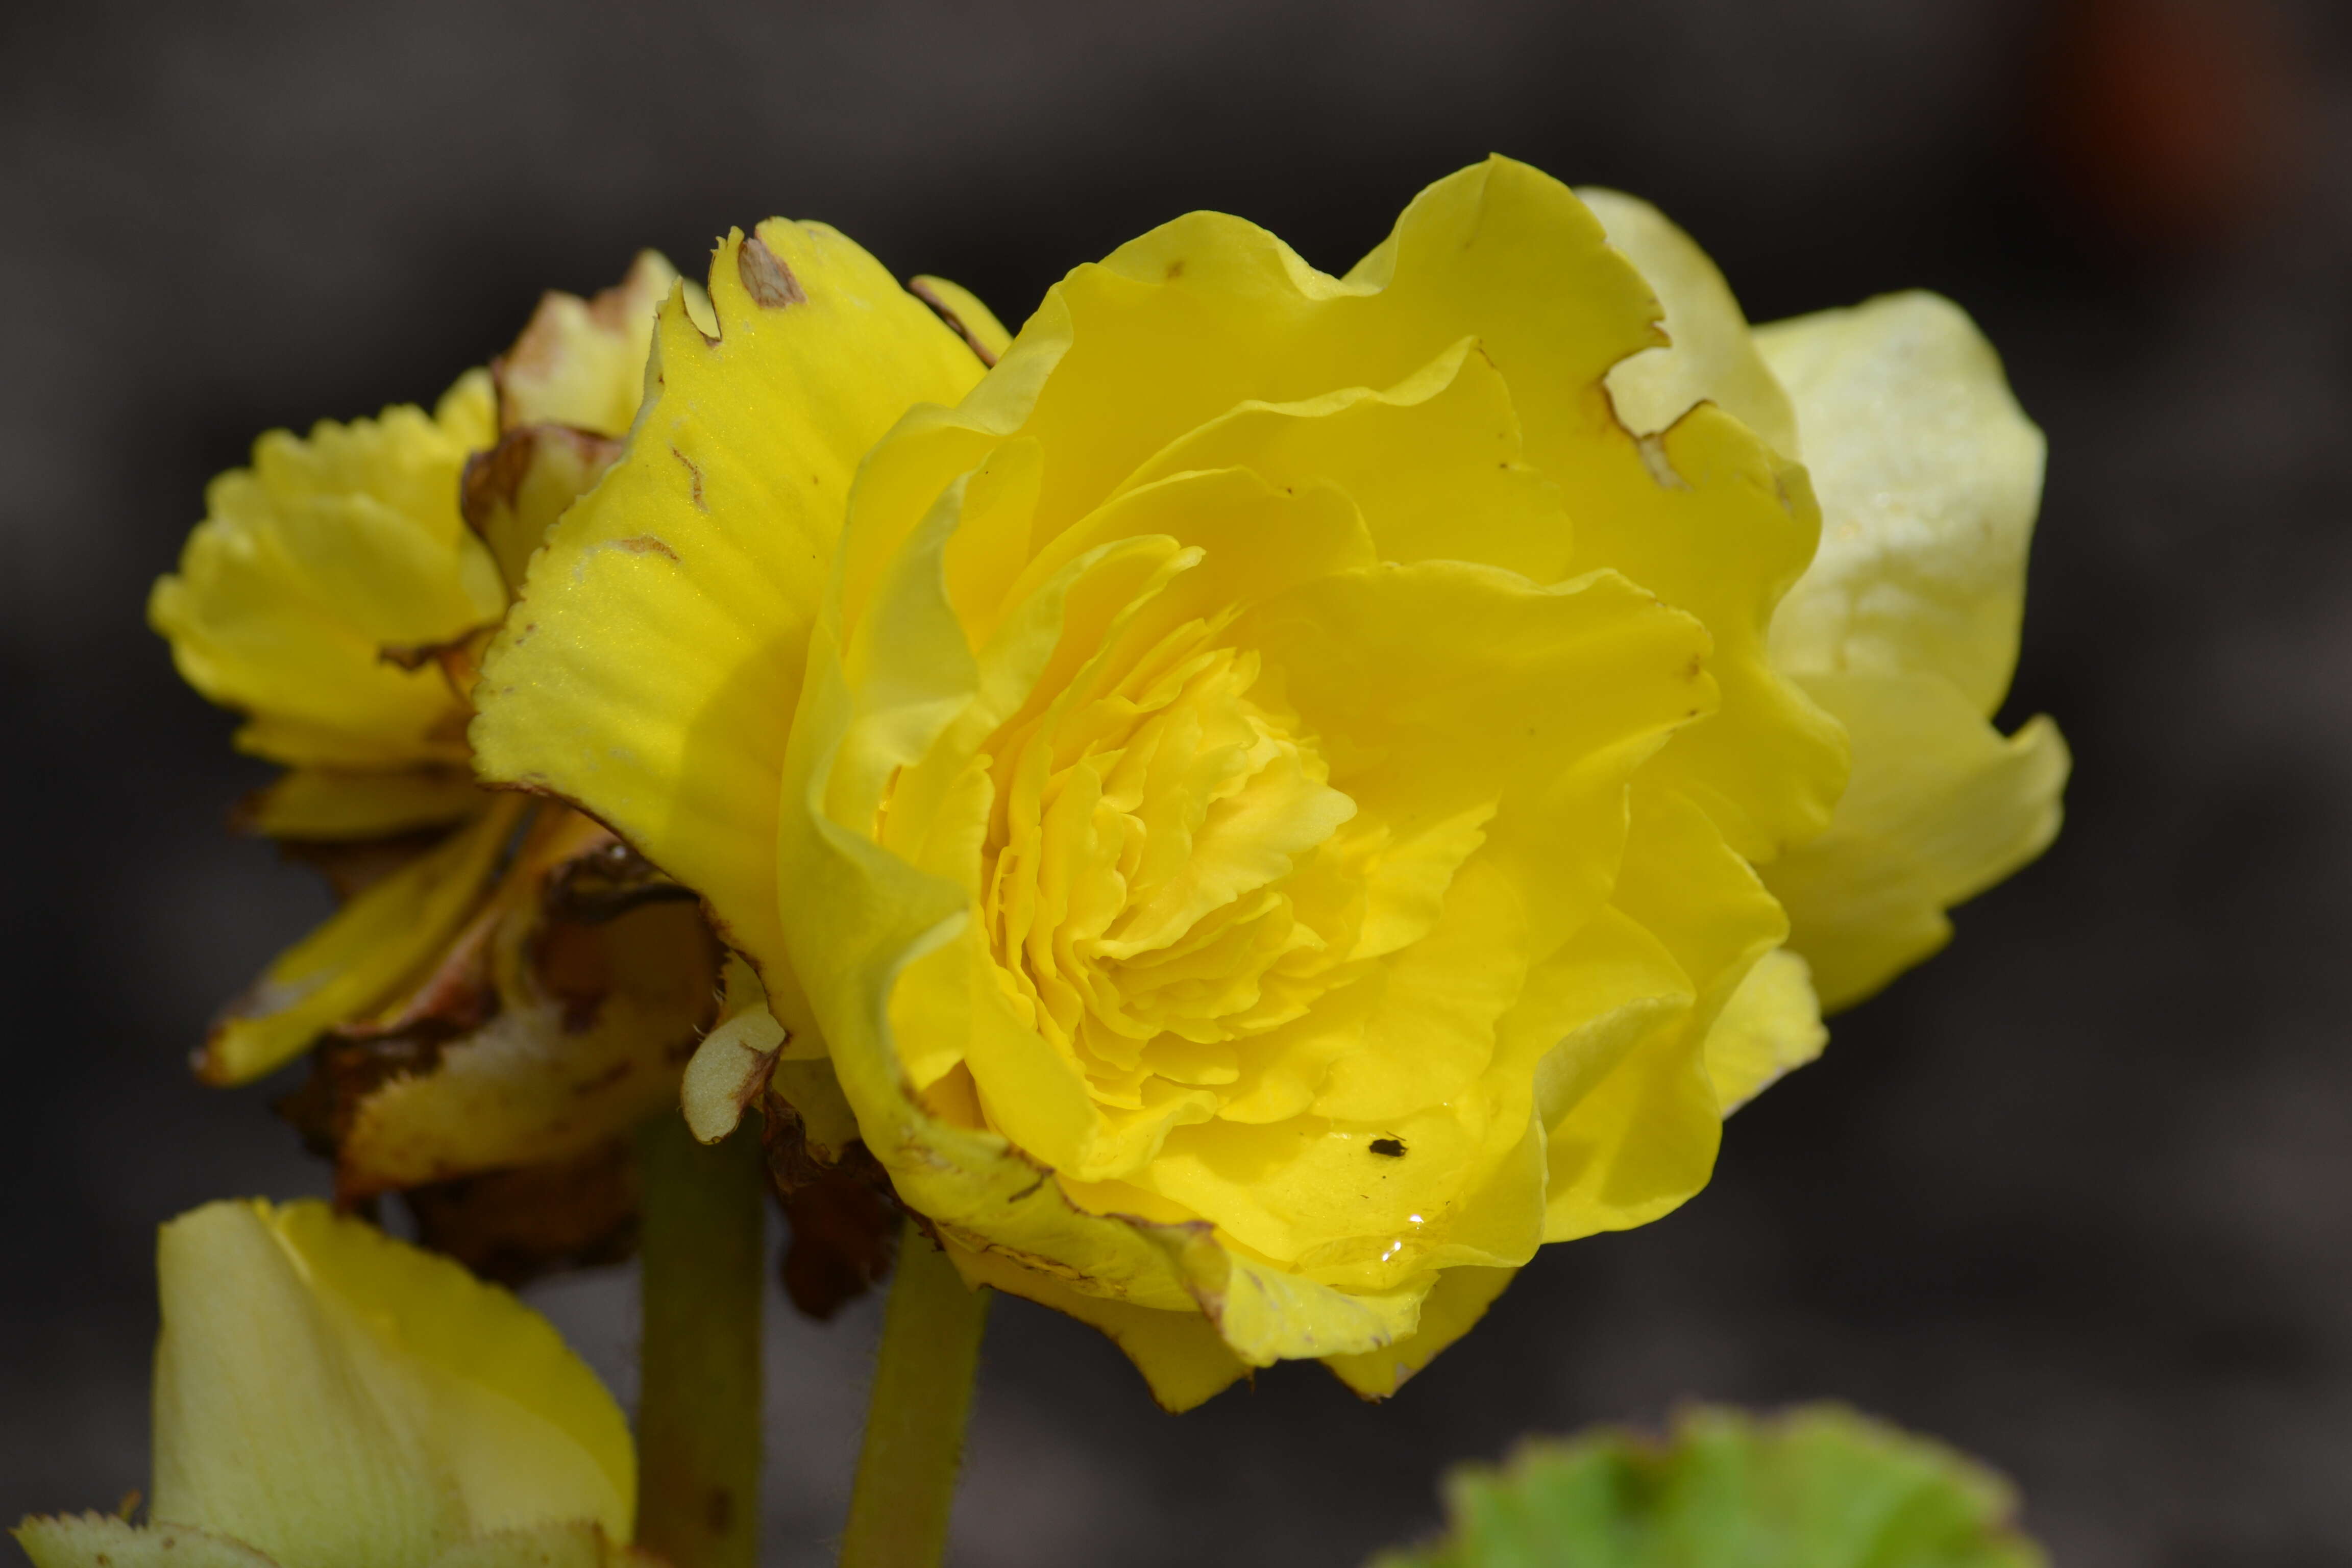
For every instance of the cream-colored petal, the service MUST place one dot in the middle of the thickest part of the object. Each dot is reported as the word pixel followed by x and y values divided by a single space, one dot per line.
pixel 1942 807
pixel 582 362
pixel 1711 354
pixel 1929 476
pixel 327 1395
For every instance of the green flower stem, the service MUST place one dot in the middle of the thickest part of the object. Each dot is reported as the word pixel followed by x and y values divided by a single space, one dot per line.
pixel 698 1412
pixel 914 1415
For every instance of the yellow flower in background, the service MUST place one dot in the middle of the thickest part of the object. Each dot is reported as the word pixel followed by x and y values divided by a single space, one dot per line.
pixel 327 1397
pixel 1261 797
pixel 505 987
pixel 1905 626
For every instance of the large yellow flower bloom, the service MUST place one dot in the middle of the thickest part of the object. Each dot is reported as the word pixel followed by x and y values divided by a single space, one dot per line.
pixel 1267 823
pixel 505 987
pixel 327 1397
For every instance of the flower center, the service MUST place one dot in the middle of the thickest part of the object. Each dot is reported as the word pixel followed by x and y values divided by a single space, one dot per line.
pixel 1150 887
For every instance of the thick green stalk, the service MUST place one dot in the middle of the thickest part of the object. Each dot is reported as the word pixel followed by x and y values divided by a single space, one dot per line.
pixel 699 1411
pixel 914 1415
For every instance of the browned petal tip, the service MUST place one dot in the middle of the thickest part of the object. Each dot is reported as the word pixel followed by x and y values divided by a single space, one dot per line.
pixel 765 277
pixel 922 290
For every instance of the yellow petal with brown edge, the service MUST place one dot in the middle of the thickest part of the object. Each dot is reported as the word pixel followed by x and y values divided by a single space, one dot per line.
pixel 1942 807
pixel 1181 1354
pixel 326 1393
pixel 514 493
pixel 334 804
pixel 1711 354
pixel 1452 1308
pixel 353 962
pixel 582 362
pixel 329 550
pixel 556 1069
pixel 963 312
pixel 658 646
pixel 557 1018
pixel 1771 1026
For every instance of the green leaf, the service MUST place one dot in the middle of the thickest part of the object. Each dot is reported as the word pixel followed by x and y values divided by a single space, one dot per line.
pixel 1816 1488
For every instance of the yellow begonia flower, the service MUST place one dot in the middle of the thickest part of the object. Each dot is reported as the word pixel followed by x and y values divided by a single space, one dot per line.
pixel 1271 823
pixel 504 986
pixel 327 1397
pixel 1905 626
pixel 1266 834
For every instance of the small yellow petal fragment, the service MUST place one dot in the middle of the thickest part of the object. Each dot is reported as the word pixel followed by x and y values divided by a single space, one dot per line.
pixel 1454 1304
pixel 1771 1026
pixel 1179 1354
pixel 728 1071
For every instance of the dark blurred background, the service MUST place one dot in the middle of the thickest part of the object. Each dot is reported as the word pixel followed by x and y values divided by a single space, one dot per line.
pixel 2076 1197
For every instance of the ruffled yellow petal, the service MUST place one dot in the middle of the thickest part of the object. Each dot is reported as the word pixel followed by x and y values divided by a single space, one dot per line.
pixel 1942 807
pixel 352 965
pixel 1452 1308
pixel 330 804
pixel 658 646
pixel 1771 1024
pixel 1184 325
pixel 1634 1118
pixel 325 1393
pixel 330 550
pixel 1712 355
pixel 582 362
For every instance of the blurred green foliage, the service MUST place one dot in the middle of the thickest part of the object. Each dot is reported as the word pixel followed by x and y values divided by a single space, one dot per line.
pixel 1819 1487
